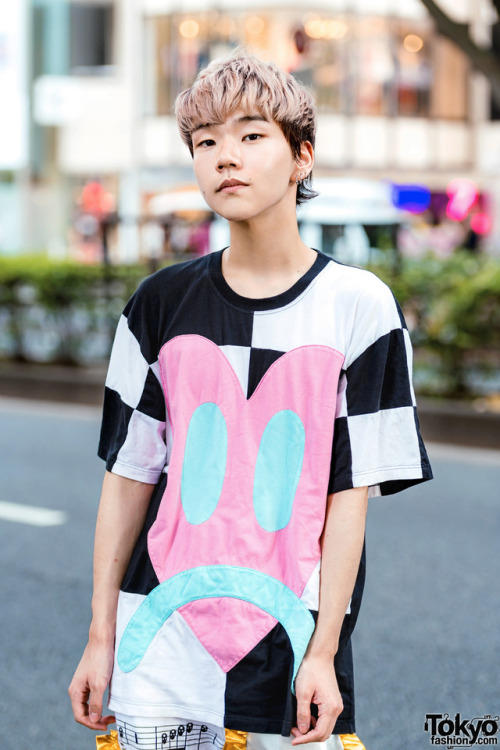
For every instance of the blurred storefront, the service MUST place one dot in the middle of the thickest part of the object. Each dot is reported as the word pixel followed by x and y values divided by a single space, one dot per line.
pixel 13 122
pixel 358 65
pixel 395 101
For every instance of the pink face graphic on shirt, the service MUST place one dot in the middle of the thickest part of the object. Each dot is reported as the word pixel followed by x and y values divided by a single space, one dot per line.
pixel 236 538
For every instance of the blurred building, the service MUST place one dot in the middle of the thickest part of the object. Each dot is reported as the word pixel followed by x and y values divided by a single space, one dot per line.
pixel 89 88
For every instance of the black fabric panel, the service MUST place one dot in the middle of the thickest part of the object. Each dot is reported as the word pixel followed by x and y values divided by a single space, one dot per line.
pixel 260 361
pixel 345 680
pixel 424 458
pixel 152 400
pixel 195 316
pixel 260 683
pixel 341 462
pixel 379 378
pixel 344 668
pixel 149 308
pixel 114 426
pixel 140 577
pixel 398 485
pixel 141 310
pixel 179 300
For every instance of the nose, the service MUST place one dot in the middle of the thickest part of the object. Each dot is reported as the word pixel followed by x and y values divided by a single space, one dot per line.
pixel 229 155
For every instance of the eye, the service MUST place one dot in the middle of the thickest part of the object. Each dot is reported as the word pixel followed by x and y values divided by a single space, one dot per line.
pixel 204 462
pixel 278 469
pixel 207 142
pixel 252 136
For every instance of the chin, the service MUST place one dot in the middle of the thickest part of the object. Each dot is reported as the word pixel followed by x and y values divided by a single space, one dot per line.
pixel 241 213
pixel 238 215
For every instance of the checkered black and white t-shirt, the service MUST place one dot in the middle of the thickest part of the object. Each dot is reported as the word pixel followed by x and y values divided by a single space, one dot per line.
pixel 245 414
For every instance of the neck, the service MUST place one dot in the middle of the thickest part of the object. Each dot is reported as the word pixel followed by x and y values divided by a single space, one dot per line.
pixel 268 244
pixel 266 255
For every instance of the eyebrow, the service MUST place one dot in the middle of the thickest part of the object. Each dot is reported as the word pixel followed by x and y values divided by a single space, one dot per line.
pixel 245 118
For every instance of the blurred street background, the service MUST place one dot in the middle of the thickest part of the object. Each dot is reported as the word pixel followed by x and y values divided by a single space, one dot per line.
pixel 97 191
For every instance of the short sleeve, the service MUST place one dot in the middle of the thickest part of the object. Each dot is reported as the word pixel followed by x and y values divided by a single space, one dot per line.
pixel 133 428
pixel 377 441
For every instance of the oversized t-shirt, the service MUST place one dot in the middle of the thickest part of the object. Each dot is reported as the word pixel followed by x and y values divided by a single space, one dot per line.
pixel 244 414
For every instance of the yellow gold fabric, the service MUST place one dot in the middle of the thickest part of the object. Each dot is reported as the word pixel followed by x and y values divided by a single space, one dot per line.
pixel 235 740
pixel 351 742
pixel 107 741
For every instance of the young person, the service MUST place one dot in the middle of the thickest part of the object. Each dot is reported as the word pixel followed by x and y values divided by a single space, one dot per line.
pixel 255 398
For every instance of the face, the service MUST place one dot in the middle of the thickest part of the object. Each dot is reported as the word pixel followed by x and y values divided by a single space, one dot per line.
pixel 251 150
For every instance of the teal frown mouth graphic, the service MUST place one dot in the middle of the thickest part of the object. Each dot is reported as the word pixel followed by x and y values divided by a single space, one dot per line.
pixel 212 581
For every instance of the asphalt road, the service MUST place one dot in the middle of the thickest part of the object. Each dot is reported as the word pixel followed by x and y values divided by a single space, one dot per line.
pixel 428 637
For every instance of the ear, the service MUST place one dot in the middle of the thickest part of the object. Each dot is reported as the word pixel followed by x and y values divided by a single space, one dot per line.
pixel 305 161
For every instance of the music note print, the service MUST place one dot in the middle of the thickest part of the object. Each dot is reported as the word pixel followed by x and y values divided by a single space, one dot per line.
pixel 187 736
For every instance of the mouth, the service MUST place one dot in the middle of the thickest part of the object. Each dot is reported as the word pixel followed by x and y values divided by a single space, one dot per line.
pixel 231 186
pixel 214 581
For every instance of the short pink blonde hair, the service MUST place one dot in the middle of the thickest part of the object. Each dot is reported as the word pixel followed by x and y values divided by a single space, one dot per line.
pixel 245 80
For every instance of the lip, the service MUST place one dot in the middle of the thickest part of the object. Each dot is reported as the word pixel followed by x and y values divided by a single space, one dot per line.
pixel 231 186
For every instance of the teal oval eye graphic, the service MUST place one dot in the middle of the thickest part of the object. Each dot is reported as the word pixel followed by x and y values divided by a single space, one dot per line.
pixel 204 464
pixel 278 469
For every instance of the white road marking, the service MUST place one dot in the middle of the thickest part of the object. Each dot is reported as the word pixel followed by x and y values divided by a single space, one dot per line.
pixel 31 515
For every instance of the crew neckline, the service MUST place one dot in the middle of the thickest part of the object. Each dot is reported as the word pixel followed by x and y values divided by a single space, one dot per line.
pixel 263 303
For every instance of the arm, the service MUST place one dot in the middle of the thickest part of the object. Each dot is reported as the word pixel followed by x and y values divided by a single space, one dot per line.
pixel 342 544
pixel 122 510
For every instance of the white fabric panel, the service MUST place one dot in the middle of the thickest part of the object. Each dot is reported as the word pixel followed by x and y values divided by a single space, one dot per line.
pixel 259 741
pixel 306 320
pixel 341 398
pixel 310 595
pixel 149 690
pixel 239 359
pixel 143 454
pixel 340 300
pixel 384 446
pixel 127 367
pixel 375 315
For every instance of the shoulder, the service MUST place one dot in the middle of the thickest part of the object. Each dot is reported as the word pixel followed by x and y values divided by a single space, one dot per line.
pixel 163 289
pixel 156 300
pixel 175 275
pixel 358 294
pixel 366 305
pixel 358 284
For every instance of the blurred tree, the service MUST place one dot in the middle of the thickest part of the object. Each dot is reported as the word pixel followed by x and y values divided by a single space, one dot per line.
pixel 485 59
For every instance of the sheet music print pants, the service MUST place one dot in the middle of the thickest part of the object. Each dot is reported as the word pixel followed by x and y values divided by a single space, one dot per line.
pixel 135 733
